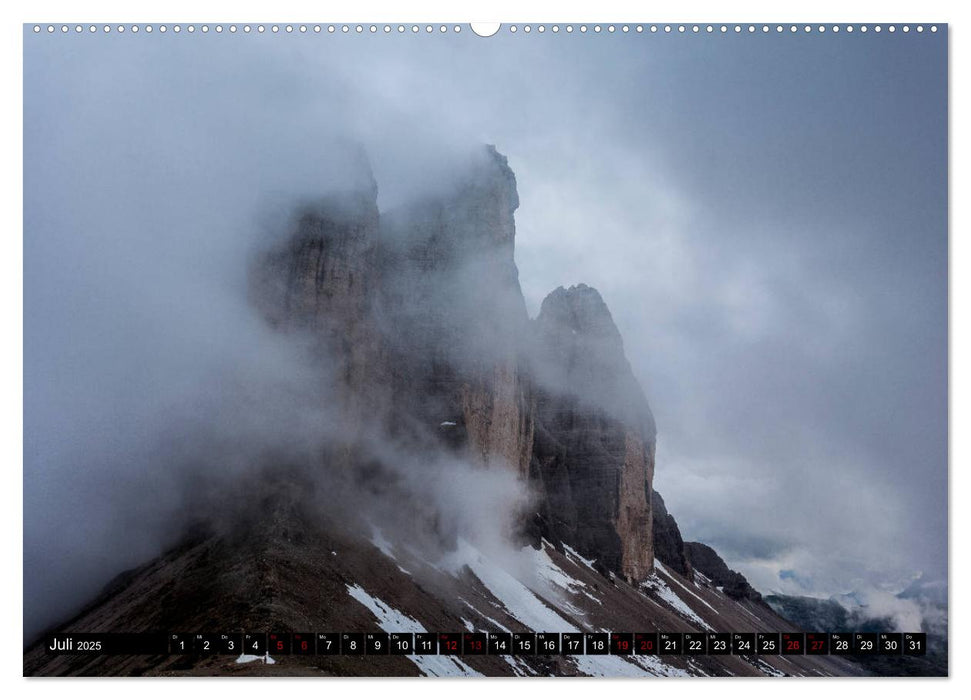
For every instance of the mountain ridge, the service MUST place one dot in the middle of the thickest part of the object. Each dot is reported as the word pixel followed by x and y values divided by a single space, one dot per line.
pixel 481 469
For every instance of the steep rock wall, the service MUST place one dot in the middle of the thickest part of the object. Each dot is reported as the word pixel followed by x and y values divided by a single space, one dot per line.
pixel 421 315
pixel 706 560
pixel 595 463
pixel 668 543
pixel 455 317
pixel 319 281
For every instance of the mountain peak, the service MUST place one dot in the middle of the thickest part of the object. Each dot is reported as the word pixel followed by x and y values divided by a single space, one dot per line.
pixel 581 309
pixel 580 352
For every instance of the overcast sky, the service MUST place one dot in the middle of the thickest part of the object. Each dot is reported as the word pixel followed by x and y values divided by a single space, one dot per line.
pixel 764 215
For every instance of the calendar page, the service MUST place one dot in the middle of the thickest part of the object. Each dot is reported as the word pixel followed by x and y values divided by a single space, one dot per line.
pixel 613 349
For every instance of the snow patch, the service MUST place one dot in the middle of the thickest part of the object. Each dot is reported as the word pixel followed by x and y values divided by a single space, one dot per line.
pixel 391 620
pixel 686 589
pixel 520 602
pixel 658 668
pixel 249 658
pixel 592 597
pixel 621 667
pixel 767 669
pixel 697 669
pixel 547 570
pixel 553 575
pixel 442 666
pixel 655 584
pixel 517 666
pixel 576 555
pixel 498 625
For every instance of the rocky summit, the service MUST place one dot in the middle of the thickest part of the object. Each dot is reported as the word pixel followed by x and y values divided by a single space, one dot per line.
pixel 479 470
pixel 593 462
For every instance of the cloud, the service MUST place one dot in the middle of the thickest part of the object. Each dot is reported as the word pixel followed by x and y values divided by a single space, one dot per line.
pixel 777 272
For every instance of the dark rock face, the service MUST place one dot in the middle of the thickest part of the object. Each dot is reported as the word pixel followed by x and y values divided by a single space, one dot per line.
pixel 321 281
pixel 454 316
pixel 420 311
pixel 706 560
pixel 668 545
pixel 594 460
pixel 579 354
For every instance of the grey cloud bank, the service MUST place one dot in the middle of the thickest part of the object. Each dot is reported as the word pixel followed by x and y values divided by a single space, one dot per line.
pixel 765 217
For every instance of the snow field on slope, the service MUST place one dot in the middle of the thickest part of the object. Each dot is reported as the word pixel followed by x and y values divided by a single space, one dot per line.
pixel 619 667
pixel 554 575
pixel 576 555
pixel 523 605
pixel 671 576
pixel 496 625
pixel 391 620
pixel 526 607
pixel 657 585
pixel 520 602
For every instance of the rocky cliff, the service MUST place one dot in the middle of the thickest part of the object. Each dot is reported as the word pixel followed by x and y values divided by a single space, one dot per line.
pixel 320 280
pixel 595 460
pixel 420 312
pixel 706 560
pixel 668 544
pixel 454 317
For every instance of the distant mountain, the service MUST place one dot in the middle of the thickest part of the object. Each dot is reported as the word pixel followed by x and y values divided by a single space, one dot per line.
pixel 927 593
pixel 830 615
pixel 823 615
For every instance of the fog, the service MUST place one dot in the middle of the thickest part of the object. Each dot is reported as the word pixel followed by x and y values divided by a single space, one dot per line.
pixel 764 216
